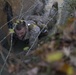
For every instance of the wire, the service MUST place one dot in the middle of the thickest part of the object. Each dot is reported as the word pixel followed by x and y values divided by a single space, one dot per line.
pixel 33 6
pixel 7 54
pixel 8 22
pixel 18 15
pixel 21 8
pixel 39 34
pixel 11 39
pixel 11 20
pixel 5 37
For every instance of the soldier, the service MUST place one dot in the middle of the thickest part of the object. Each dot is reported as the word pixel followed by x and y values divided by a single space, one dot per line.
pixel 27 30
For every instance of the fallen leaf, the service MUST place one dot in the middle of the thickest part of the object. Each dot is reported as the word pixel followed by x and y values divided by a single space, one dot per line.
pixel 33 71
pixel 52 57
pixel 25 48
pixel 11 68
pixel 11 31
pixel 70 70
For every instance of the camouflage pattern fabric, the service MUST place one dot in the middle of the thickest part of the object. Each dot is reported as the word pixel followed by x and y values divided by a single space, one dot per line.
pixel 32 35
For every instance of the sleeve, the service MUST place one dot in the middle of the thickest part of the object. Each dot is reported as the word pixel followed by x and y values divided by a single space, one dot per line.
pixel 33 40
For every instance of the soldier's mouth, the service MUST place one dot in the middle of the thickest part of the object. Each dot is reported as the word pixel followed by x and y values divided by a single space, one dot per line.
pixel 21 38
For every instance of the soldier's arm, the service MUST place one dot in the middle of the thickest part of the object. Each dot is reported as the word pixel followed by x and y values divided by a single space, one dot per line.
pixel 33 41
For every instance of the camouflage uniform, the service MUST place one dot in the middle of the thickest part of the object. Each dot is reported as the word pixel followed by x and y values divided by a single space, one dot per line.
pixel 39 8
pixel 32 34
pixel 45 18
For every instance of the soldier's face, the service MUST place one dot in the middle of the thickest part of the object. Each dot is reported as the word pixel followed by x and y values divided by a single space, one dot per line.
pixel 21 33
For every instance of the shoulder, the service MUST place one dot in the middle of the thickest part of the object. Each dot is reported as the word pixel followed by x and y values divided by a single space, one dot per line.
pixel 36 28
pixel 32 26
pixel 29 22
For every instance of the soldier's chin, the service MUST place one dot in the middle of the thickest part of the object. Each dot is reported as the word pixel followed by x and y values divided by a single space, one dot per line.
pixel 20 38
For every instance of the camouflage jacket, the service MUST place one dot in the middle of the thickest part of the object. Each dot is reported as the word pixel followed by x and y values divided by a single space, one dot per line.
pixel 32 34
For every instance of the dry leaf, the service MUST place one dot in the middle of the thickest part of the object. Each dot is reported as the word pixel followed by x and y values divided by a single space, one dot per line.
pixel 55 56
pixel 33 71
pixel 66 51
pixel 11 68
pixel 68 69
